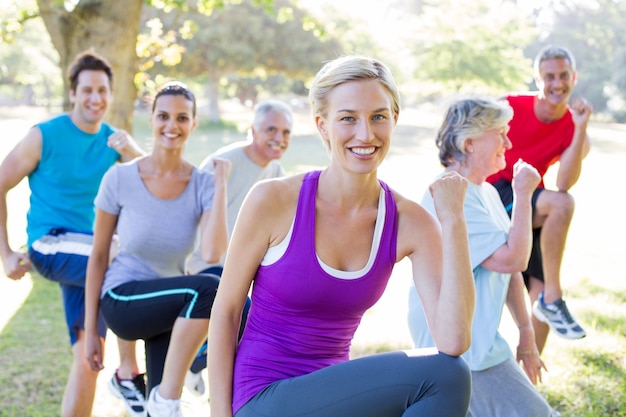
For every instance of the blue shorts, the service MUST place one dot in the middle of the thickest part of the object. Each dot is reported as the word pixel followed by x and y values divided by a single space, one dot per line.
pixel 61 256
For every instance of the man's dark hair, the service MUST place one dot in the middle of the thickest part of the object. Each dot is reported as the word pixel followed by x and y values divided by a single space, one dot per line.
pixel 175 88
pixel 88 60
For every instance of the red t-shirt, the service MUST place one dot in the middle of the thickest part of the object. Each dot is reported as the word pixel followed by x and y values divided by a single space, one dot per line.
pixel 539 144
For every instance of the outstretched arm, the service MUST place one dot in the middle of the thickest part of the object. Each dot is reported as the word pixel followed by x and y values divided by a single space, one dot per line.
pixel 96 267
pixel 514 254
pixel 527 351
pixel 570 162
pixel 441 266
pixel 251 237
pixel 213 224
pixel 20 162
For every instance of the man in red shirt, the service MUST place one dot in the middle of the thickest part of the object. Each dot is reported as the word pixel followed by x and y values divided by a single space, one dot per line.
pixel 547 128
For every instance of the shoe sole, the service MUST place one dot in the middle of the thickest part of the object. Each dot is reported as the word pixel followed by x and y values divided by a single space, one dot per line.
pixel 544 319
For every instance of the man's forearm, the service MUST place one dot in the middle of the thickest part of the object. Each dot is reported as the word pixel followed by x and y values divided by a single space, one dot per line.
pixel 570 162
pixel 5 248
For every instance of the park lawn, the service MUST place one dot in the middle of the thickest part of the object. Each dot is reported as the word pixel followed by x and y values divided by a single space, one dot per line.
pixel 585 379
pixel 35 355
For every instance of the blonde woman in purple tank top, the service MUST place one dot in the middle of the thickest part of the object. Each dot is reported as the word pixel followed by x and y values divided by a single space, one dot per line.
pixel 320 248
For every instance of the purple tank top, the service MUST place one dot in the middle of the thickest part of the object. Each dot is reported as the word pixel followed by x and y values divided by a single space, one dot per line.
pixel 303 319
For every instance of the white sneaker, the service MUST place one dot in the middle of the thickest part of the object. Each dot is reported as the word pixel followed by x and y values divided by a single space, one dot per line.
pixel 195 383
pixel 160 407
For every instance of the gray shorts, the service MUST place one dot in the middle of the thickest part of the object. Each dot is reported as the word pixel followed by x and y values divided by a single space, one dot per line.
pixel 504 390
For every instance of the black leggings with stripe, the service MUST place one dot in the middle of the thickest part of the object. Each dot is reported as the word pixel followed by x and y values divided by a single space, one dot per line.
pixel 148 309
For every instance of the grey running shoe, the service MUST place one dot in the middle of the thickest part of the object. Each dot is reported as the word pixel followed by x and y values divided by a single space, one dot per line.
pixel 132 392
pixel 558 317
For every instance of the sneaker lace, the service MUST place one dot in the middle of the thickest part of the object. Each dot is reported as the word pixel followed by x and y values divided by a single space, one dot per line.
pixel 564 312
pixel 138 387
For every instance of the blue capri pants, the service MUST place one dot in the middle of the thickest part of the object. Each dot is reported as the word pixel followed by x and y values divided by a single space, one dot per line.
pixel 421 383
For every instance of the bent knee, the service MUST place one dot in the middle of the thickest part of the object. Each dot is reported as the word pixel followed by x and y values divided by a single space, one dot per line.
pixel 454 382
pixel 455 363
pixel 555 202
pixel 565 201
pixel 456 371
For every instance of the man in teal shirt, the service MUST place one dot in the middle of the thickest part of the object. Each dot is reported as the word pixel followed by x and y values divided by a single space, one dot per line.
pixel 64 159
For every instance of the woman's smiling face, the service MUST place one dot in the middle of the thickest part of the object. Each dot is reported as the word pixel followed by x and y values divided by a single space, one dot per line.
pixel 485 155
pixel 358 124
pixel 172 120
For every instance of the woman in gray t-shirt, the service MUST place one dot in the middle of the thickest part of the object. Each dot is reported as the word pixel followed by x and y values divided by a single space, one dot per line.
pixel 157 204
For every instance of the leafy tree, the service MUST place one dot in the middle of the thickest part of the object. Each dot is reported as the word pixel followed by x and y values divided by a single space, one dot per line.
pixel 29 74
pixel 471 46
pixel 249 48
pixel 109 27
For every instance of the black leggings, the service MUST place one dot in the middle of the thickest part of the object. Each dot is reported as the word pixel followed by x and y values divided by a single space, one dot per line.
pixel 200 361
pixel 148 310
pixel 416 383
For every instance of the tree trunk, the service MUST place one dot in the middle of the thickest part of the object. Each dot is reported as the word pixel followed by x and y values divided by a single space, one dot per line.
pixel 213 93
pixel 111 29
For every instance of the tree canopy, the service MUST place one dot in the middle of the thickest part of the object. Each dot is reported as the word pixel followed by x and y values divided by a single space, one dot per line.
pixel 111 29
pixel 243 47
pixel 240 42
pixel 468 46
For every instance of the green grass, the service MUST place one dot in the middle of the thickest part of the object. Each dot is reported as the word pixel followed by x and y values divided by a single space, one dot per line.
pixel 588 383
pixel 587 378
pixel 34 355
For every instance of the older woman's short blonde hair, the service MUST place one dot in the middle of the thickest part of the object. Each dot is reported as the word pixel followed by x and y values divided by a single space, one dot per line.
pixel 468 118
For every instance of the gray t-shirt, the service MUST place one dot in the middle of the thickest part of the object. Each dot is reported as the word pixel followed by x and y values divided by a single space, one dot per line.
pixel 156 236
pixel 243 175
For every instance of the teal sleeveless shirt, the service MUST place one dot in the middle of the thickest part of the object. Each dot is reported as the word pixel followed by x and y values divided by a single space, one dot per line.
pixel 67 178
